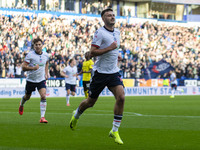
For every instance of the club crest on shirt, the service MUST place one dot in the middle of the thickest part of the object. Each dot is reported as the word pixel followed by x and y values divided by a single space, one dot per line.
pixel 40 59
pixel 95 34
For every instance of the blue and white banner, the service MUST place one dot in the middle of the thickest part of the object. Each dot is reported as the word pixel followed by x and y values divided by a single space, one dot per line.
pixel 129 91
pixel 157 68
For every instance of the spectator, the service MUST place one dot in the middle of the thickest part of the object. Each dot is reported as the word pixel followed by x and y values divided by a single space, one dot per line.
pixel 141 44
pixel 11 70
pixel 18 71
pixel 52 72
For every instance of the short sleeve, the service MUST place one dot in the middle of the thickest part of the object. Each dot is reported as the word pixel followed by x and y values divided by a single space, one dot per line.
pixel 174 75
pixel 91 64
pixel 28 58
pixel 65 70
pixel 97 39
pixel 47 56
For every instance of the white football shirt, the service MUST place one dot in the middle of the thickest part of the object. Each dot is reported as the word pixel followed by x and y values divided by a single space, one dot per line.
pixel 70 71
pixel 173 78
pixel 33 59
pixel 106 63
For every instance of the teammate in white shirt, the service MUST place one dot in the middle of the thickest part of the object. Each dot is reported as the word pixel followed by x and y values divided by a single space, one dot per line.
pixel 36 64
pixel 105 46
pixel 173 83
pixel 70 74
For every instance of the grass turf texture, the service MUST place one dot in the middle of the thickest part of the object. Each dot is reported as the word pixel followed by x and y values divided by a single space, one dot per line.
pixel 149 123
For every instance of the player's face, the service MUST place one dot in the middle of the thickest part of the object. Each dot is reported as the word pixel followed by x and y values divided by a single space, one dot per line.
pixel 109 18
pixel 87 56
pixel 73 63
pixel 38 47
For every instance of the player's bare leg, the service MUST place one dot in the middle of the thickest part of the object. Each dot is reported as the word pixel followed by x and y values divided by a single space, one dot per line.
pixel 43 105
pixel 22 102
pixel 85 104
pixel 173 92
pixel 68 97
pixel 73 94
pixel 118 92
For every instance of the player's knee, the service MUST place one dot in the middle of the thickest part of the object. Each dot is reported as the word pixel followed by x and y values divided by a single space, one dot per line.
pixel 121 99
pixel 27 97
pixel 73 93
pixel 43 96
pixel 68 92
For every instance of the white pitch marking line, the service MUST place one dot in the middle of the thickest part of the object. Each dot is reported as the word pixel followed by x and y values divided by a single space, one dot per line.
pixel 129 114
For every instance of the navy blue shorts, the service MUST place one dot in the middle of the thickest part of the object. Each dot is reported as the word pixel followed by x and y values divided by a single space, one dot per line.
pixel 100 81
pixel 174 86
pixel 30 86
pixel 71 87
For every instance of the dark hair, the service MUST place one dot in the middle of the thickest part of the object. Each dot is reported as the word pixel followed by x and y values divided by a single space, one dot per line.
pixel 105 10
pixel 70 61
pixel 37 40
pixel 87 55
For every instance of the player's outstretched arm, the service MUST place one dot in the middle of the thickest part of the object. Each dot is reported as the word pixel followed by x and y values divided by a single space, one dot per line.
pixel 62 73
pixel 94 51
pixel 80 72
pixel 26 67
pixel 88 71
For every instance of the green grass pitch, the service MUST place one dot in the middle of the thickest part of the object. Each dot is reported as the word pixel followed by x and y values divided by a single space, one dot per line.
pixel 149 123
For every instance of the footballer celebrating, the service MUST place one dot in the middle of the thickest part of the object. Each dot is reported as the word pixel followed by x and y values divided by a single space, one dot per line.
pixel 36 64
pixel 105 47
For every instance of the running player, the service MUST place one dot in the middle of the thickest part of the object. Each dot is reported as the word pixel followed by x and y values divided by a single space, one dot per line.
pixel 173 83
pixel 36 64
pixel 70 74
pixel 105 46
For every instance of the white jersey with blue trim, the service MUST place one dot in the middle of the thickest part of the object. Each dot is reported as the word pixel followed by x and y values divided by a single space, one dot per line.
pixel 70 72
pixel 173 78
pixel 103 38
pixel 32 58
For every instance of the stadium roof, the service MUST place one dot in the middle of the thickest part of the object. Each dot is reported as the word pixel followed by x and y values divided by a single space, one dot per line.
pixel 178 1
pixel 170 1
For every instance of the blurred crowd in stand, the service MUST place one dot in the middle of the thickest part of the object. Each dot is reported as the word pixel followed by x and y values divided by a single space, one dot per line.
pixel 93 7
pixel 141 45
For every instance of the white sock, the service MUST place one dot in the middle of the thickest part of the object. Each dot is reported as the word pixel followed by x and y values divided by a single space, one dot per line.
pixel 22 101
pixel 116 122
pixel 172 92
pixel 67 98
pixel 43 105
pixel 77 113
